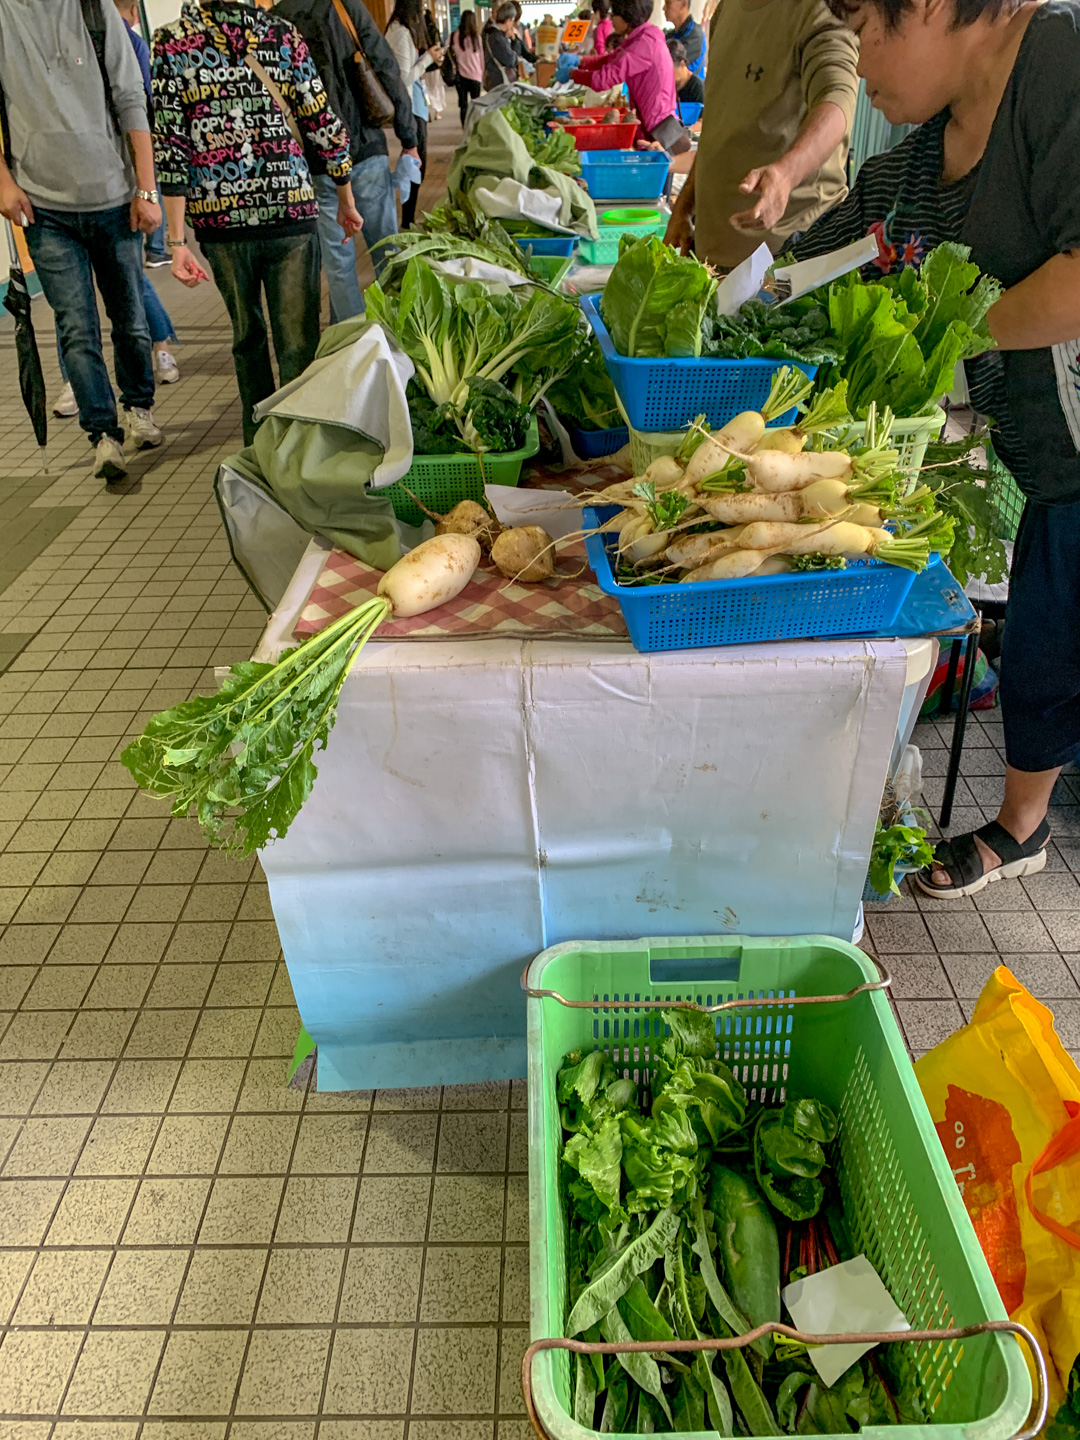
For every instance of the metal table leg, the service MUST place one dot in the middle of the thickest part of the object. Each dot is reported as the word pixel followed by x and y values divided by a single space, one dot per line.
pixel 971 654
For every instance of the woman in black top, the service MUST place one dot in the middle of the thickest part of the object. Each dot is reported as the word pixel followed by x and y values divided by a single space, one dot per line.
pixel 500 58
pixel 993 86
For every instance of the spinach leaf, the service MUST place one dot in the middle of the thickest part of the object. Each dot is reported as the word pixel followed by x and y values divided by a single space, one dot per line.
pixel 641 1368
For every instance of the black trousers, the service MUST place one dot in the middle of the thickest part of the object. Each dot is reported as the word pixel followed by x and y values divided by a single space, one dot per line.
pixel 287 269
pixel 408 210
pixel 466 90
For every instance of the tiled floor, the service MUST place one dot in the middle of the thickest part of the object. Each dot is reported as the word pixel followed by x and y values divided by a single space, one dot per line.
pixel 188 1249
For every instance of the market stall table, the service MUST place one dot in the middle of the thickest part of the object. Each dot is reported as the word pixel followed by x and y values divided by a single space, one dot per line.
pixel 483 798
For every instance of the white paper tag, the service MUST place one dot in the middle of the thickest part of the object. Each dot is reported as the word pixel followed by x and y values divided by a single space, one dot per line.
pixel 1067 371
pixel 744 282
pixel 837 1301
pixel 807 275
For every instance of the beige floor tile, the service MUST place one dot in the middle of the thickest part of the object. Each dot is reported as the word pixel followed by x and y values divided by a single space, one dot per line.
pixel 266 1087
pixel 400 1144
pixel 514 1341
pixel 283 1373
pixel 188 1145
pixel 92 1212
pixel 114 1372
pixel 221 1287
pixel 20 1082
pixel 316 1209
pixel 99 1034
pixel 242 1211
pixel 14 1268
pixel 330 1144
pixel 35 1035
pixel 467 1207
pixel 118 1145
pixel 198 1373
pixel 225 1033
pixel 362 1430
pixel 96 1430
pixel 25 1209
pixel 142 1288
pixel 74 1087
pixel 46 1146
pixel 259 1144
pixel 451 1429
pixel 141 1086
pixel 301 1287
pixel 34 1368
pixel 184 1430
pixel 392 1210
pixel 382 1285
pixel 208 1085
pixel 167 1212
pixel 369 1373
pixel 63 1287
pixel 273 1430
pixel 461 1284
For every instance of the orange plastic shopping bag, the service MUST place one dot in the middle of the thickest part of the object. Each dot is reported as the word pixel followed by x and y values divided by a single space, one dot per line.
pixel 1005 1098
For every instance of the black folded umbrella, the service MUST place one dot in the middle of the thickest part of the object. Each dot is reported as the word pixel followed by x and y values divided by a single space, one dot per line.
pixel 31 378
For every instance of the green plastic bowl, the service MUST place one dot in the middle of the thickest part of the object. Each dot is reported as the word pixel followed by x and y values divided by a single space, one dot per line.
pixel 629 217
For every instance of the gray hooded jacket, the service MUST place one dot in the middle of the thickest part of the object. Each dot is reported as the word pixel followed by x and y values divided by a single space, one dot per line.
pixel 65 149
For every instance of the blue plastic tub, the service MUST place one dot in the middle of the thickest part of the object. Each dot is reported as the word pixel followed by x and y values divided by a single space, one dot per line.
pixel 592 444
pixel 624 174
pixel 561 245
pixel 666 394
pixel 690 111
pixel 864 599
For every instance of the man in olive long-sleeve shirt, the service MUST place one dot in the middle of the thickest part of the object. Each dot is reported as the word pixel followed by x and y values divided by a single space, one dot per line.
pixel 779 102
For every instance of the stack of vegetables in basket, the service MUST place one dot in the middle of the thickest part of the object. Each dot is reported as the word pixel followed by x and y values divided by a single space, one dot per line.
pixel 750 500
pixel 686 1216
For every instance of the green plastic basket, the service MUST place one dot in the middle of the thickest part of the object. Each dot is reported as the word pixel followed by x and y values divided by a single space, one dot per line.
pixel 605 250
pixel 1006 498
pixel 900 1198
pixel 551 268
pixel 910 437
pixel 440 481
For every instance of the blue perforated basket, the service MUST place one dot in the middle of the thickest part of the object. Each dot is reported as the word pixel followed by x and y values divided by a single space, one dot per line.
pixel 624 174
pixel 592 444
pixel 864 599
pixel 690 111
pixel 665 394
pixel 560 245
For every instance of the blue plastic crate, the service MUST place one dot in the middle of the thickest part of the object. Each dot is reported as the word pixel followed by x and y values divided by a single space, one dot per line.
pixel 690 111
pixel 624 174
pixel 561 245
pixel 592 444
pixel 864 599
pixel 666 394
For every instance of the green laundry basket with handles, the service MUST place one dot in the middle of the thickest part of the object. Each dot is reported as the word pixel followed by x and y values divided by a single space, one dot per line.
pixel 802 1016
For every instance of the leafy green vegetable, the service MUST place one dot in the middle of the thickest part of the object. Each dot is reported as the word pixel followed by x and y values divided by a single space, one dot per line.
pixel 250 747
pixel 664 511
pixel 959 490
pixel 897 845
pixel 586 396
pixel 902 336
pixel 797 330
pixel 655 299
pixel 789 1156
pixel 553 148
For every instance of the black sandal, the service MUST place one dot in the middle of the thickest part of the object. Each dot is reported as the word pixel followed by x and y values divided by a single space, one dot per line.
pixel 962 862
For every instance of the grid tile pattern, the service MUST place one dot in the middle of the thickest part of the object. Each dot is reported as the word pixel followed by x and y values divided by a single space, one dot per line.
pixel 190 1249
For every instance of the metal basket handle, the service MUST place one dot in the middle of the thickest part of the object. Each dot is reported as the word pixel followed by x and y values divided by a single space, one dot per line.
pixel 737 1342
pixel 771 1000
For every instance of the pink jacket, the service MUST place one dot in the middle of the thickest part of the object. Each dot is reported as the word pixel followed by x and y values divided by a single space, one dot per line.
pixel 600 35
pixel 470 62
pixel 643 64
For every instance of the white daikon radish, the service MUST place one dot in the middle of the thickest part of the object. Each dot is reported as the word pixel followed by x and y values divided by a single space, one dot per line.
pixel 783 438
pixel 765 535
pixel 735 566
pixel 775 470
pixel 694 550
pixel 639 540
pixel 742 509
pixel 429 576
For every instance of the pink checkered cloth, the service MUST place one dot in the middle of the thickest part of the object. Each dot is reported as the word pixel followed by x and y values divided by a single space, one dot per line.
pixel 490 605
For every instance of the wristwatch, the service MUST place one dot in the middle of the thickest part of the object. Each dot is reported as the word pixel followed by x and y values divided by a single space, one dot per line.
pixel 150 195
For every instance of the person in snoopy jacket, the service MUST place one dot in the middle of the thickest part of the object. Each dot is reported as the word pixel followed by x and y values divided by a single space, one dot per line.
pixel 237 100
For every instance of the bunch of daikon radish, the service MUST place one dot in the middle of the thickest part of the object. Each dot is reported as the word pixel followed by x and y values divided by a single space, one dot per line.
pixel 749 500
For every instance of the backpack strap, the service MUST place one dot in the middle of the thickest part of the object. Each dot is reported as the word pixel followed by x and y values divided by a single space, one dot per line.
pixel 94 21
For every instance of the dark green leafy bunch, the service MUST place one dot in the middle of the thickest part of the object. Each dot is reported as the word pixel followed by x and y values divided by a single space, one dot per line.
pixel 654 1255
pixel 901 337
pixel 553 148
pixel 797 330
pixel 655 299
pixel 959 490
pixel 243 759
pixel 586 396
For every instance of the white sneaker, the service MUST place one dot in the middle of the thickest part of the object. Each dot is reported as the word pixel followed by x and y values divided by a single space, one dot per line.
pixel 109 460
pixel 165 367
pixel 65 406
pixel 141 430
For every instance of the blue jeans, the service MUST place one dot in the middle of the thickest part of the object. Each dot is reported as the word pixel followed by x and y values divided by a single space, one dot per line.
pixel 70 249
pixel 157 317
pixel 375 200
pixel 155 243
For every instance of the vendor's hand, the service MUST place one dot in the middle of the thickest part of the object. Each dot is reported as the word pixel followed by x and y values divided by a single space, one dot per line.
pixel 772 187
pixel 680 232
pixel 647 145
pixel 145 216
pixel 15 203
pixel 186 268
pixel 348 217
